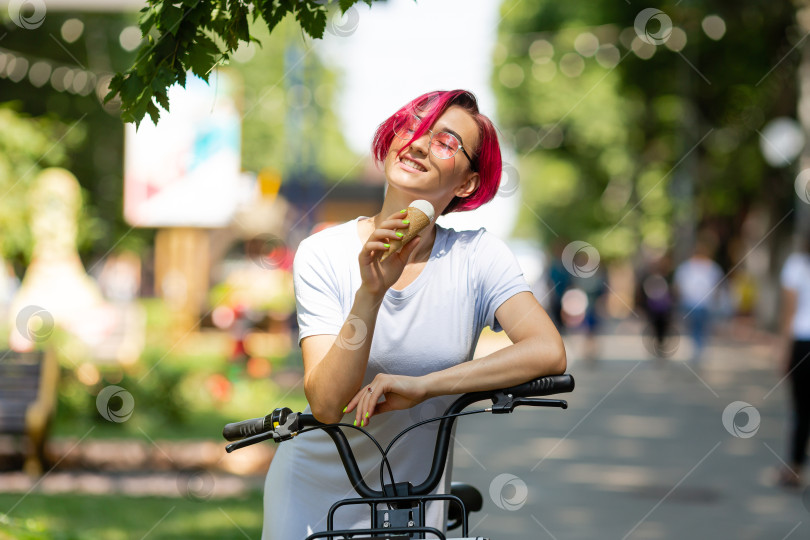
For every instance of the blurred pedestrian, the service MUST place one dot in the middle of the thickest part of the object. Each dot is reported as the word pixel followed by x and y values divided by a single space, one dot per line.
pixel 654 297
pixel 697 282
pixel 559 279
pixel 594 287
pixel 795 326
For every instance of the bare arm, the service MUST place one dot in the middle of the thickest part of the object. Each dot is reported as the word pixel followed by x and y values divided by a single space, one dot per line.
pixel 537 350
pixel 334 366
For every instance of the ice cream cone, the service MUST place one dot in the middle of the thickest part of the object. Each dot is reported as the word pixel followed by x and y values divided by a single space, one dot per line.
pixel 420 214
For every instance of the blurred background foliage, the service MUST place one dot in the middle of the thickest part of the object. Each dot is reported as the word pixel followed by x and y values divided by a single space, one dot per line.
pixel 48 124
pixel 625 143
pixel 604 124
pixel 27 145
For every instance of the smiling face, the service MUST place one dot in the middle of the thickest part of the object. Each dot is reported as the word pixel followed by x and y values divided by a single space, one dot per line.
pixel 418 172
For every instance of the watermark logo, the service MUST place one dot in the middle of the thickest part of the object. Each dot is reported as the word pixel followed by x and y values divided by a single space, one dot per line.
pixel 115 404
pixel 35 323
pixel 424 411
pixel 27 14
pixel 357 334
pixel 802 186
pixel 344 24
pixel 737 412
pixel 510 181
pixel 267 251
pixel 653 26
pixel 580 259
pixel 198 485
pixel 508 492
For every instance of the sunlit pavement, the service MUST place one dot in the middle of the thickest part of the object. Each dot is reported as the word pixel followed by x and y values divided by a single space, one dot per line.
pixel 642 452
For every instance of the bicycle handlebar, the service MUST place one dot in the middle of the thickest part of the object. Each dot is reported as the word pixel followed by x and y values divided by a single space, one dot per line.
pixel 544 386
pixel 246 428
pixel 283 424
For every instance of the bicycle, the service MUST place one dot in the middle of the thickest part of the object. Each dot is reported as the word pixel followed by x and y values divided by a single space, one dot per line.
pixel 404 515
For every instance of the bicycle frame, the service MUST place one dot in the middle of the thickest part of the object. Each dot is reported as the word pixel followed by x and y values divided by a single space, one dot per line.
pixel 406 503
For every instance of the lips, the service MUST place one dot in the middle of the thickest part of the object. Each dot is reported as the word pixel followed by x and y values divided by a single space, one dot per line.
pixel 412 164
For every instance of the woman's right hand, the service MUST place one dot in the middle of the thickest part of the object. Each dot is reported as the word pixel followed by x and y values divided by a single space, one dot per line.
pixel 378 276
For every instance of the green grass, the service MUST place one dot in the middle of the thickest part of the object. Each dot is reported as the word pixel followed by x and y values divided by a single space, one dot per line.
pixel 80 517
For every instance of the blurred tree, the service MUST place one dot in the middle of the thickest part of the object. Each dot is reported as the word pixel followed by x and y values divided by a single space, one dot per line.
pixel 634 126
pixel 60 70
pixel 269 99
pixel 57 75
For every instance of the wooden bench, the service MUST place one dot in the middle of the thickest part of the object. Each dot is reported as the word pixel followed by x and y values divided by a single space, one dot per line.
pixel 28 385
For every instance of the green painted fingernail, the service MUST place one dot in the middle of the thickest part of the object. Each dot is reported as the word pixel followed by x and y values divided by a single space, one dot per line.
pixel 344 408
pixel 361 423
pixel 405 221
pixel 400 234
pixel 403 210
pixel 387 245
pixel 355 422
pixel 366 415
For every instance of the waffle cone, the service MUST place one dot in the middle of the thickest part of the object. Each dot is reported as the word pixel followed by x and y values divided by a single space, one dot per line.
pixel 418 221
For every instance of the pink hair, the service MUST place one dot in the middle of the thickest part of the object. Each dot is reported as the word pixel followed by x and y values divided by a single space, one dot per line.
pixel 486 160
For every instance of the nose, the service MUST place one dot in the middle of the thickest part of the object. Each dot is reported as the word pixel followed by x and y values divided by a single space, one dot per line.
pixel 422 143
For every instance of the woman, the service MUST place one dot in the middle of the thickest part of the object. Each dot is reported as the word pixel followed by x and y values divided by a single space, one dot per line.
pixel 796 331
pixel 386 344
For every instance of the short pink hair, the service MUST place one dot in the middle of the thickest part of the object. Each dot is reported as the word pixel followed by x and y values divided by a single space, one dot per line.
pixel 486 159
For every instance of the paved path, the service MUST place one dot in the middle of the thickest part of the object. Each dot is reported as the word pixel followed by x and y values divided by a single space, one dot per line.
pixel 642 452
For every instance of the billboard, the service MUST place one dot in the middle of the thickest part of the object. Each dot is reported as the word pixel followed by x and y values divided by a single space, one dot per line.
pixel 185 171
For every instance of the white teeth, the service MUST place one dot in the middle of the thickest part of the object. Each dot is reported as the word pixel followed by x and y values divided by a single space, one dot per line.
pixel 413 164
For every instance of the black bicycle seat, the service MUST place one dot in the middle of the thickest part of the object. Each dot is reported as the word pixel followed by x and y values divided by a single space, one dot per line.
pixel 471 498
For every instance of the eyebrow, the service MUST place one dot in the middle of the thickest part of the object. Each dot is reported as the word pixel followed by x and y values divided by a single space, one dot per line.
pixel 447 129
pixel 453 133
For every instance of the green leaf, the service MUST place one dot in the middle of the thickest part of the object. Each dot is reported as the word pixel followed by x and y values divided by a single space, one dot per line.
pixel 170 18
pixel 163 99
pixel 202 56
pixel 238 28
pixel 147 21
pixel 312 18
pixel 346 4
pixel 138 110
pixel 154 112
pixel 164 78
pixel 131 88
pixel 273 11
pixel 114 86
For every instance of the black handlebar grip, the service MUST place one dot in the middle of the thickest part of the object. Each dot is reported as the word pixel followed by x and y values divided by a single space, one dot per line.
pixel 544 386
pixel 246 428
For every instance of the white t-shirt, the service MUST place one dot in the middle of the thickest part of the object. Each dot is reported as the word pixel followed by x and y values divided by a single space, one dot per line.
pixel 432 324
pixel 796 277
pixel 698 282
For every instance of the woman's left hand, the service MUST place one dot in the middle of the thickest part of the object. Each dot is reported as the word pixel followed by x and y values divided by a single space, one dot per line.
pixel 400 392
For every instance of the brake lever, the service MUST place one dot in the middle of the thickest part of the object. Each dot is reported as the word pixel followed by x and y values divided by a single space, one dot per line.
pixel 250 440
pixel 503 403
